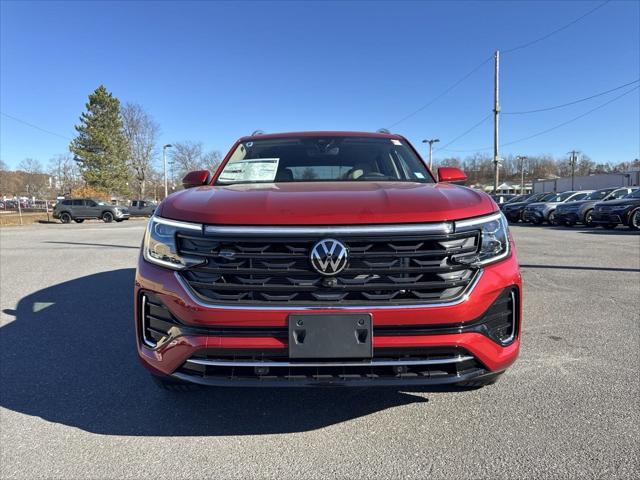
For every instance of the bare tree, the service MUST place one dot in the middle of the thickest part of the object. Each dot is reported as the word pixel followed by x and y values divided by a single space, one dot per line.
pixel 66 172
pixel 188 155
pixel 35 180
pixel 142 133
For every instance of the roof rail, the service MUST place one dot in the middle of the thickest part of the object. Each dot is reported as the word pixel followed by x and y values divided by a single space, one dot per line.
pixel 383 130
pixel 257 132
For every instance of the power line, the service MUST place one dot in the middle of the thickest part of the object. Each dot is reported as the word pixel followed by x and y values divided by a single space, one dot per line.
pixel 437 97
pixel 34 126
pixel 573 119
pixel 554 127
pixel 465 132
pixel 564 27
pixel 571 103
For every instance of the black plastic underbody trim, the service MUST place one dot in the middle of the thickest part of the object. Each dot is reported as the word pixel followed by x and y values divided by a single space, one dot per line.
pixel 477 325
pixel 359 382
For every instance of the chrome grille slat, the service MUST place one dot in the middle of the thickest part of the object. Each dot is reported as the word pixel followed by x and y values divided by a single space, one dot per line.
pixel 382 268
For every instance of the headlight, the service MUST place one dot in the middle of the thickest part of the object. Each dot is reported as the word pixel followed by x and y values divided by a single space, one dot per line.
pixel 160 245
pixel 494 238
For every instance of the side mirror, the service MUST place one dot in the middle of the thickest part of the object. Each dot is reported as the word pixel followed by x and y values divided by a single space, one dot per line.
pixel 451 175
pixel 196 178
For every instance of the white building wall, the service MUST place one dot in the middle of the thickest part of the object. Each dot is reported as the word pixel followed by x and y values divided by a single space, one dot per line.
pixel 588 182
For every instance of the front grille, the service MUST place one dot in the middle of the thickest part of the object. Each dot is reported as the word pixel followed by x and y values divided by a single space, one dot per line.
pixel 386 365
pixel 395 270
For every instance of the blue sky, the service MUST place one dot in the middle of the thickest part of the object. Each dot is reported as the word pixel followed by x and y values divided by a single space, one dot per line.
pixel 214 71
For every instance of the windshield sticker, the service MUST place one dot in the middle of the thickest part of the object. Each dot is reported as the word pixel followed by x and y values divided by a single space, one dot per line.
pixel 253 170
pixel 396 142
pixel 418 174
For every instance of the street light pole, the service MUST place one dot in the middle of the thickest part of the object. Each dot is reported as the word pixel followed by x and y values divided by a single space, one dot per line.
pixel 522 158
pixel 431 142
pixel 496 121
pixel 164 160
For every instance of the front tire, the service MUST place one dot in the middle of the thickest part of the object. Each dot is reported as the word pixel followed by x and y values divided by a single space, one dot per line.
pixel 634 219
pixel 588 218
pixel 107 217
pixel 167 383
pixel 65 217
pixel 552 219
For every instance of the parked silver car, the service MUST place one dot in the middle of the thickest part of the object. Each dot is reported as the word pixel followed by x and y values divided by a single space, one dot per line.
pixel 540 212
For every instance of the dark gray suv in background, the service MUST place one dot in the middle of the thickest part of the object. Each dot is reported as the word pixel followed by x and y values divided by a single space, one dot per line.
pixel 79 209
pixel 581 211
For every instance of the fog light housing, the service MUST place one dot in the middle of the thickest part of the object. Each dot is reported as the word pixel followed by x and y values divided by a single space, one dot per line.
pixel 500 321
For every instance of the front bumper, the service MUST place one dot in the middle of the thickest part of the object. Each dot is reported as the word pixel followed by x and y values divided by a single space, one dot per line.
pixel 533 216
pixel 567 217
pixel 513 215
pixel 421 345
pixel 607 218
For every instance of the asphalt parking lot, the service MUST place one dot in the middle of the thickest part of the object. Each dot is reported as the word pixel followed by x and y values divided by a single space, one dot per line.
pixel 74 403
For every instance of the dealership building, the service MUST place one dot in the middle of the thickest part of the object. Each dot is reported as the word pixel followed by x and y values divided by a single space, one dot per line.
pixel 588 182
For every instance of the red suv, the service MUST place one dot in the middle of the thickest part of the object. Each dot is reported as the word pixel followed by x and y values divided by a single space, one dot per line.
pixel 327 258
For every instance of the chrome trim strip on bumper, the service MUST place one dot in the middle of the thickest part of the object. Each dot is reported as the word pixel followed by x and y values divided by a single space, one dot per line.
pixel 372 363
pixel 292 308
pixel 143 325
pixel 406 229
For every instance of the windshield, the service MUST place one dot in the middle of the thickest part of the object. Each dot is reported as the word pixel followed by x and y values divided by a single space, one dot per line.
pixel 558 197
pixel 519 198
pixel 546 197
pixel 598 194
pixel 577 196
pixel 634 194
pixel 537 197
pixel 323 159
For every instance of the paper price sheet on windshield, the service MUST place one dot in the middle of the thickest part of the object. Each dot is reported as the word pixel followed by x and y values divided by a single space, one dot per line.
pixel 253 170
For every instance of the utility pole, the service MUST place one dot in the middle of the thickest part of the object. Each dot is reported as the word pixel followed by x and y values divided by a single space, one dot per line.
pixel 573 159
pixel 522 158
pixel 164 160
pixel 496 120
pixel 431 142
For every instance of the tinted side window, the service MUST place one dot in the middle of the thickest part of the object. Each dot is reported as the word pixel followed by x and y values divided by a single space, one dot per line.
pixel 90 203
pixel 77 203
pixel 66 202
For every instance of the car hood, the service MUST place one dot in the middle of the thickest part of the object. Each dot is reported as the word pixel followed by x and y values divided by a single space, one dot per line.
pixel 516 204
pixel 579 203
pixel 325 203
pixel 542 204
pixel 621 201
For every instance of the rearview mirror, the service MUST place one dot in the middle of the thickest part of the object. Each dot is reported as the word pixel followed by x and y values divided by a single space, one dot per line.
pixel 451 175
pixel 195 178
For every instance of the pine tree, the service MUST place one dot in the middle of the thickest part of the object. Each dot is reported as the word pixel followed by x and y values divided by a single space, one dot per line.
pixel 101 147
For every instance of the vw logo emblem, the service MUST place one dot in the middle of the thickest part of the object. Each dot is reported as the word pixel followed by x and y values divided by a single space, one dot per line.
pixel 329 256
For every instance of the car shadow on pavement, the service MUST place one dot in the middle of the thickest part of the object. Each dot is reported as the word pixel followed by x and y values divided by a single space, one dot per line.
pixel 69 357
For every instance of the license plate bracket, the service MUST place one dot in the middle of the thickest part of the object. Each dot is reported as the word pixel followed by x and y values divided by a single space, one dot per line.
pixel 330 335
